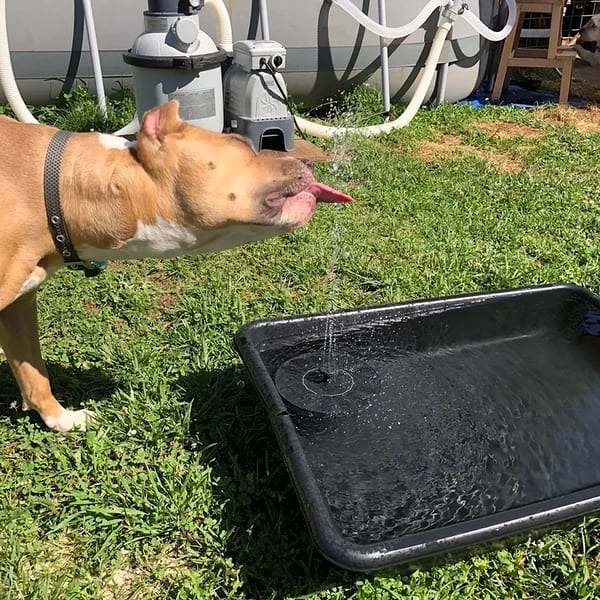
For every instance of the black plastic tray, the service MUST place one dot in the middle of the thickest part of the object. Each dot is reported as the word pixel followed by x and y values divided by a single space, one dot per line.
pixel 485 424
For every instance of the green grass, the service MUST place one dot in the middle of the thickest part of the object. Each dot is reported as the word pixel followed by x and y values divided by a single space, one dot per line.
pixel 180 492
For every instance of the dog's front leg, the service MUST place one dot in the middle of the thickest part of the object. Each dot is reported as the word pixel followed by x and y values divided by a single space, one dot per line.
pixel 591 58
pixel 20 341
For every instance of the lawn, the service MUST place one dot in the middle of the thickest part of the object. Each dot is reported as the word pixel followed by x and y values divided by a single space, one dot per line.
pixel 180 492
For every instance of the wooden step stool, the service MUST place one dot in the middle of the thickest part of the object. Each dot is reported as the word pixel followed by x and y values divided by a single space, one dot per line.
pixel 556 55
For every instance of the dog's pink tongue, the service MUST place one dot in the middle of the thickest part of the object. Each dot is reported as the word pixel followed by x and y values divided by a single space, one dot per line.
pixel 324 193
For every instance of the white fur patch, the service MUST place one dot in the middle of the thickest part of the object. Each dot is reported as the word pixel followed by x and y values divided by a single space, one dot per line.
pixel 114 142
pixel 31 283
pixel 69 420
pixel 167 240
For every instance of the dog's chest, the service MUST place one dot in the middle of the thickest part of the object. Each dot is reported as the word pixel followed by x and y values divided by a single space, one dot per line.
pixel 164 239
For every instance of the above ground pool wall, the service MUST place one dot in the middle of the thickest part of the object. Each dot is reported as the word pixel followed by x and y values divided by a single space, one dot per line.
pixel 328 51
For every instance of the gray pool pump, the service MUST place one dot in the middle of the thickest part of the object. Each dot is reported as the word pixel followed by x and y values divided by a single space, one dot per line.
pixel 254 94
pixel 173 59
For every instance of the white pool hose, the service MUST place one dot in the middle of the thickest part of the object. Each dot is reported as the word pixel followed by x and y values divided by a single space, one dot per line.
pixel 411 110
pixel 485 31
pixel 462 8
pixel 453 9
pixel 223 20
pixel 7 76
pixel 90 27
pixel 384 31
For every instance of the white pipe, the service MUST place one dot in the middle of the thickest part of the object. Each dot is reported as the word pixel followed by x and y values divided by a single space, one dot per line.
pixel 385 62
pixel 7 76
pixel 485 31
pixel 90 27
pixel 406 30
pixel 414 105
pixel 454 9
pixel 264 19
pixel 384 31
pixel 223 20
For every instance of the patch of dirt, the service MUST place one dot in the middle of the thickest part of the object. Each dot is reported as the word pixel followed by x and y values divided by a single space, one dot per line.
pixel 585 120
pixel 510 130
pixel 445 147
pixel 170 293
pixel 440 149
pixel 504 162
pixel 136 581
pixel 168 300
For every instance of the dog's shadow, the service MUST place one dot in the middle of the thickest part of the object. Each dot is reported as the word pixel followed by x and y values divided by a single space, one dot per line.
pixel 72 386
pixel 269 540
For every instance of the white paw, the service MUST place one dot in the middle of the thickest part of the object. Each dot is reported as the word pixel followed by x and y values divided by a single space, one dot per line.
pixel 70 419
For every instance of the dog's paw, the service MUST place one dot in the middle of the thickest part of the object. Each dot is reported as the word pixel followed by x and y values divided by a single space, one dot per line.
pixel 69 420
pixel 590 57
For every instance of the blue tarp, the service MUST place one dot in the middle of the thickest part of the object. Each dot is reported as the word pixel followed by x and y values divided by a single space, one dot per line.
pixel 520 97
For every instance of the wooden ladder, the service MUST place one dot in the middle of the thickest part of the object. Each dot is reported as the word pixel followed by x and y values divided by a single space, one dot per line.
pixel 556 55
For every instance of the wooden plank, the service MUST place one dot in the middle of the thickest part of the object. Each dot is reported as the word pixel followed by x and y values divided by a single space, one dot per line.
pixel 539 53
pixel 542 63
pixel 566 52
pixel 565 82
pixel 539 6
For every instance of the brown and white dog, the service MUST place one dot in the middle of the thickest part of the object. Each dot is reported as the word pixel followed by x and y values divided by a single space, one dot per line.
pixel 588 42
pixel 177 190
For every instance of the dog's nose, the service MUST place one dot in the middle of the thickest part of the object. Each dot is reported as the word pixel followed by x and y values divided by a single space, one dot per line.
pixel 309 164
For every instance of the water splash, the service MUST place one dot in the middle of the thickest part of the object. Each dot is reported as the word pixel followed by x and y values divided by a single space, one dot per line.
pixel 341 168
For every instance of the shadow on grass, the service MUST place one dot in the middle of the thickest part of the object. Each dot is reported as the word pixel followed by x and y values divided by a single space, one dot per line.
pixel 71 386
pixel 270 541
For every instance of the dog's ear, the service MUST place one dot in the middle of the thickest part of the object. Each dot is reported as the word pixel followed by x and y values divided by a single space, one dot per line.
pixel 157 125
pixel 159 122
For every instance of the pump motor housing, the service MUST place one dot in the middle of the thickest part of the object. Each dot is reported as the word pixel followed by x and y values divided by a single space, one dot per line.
pixel 255 105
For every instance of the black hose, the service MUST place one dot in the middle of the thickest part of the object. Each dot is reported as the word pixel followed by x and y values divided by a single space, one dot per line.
pixel 76 47
pixel 264 63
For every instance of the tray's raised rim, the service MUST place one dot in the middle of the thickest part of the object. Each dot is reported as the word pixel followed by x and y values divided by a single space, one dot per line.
pixel 248 329
pixel 413 547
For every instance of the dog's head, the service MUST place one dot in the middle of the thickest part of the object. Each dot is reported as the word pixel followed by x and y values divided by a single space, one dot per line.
pixel 590 32
pixel 222 185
